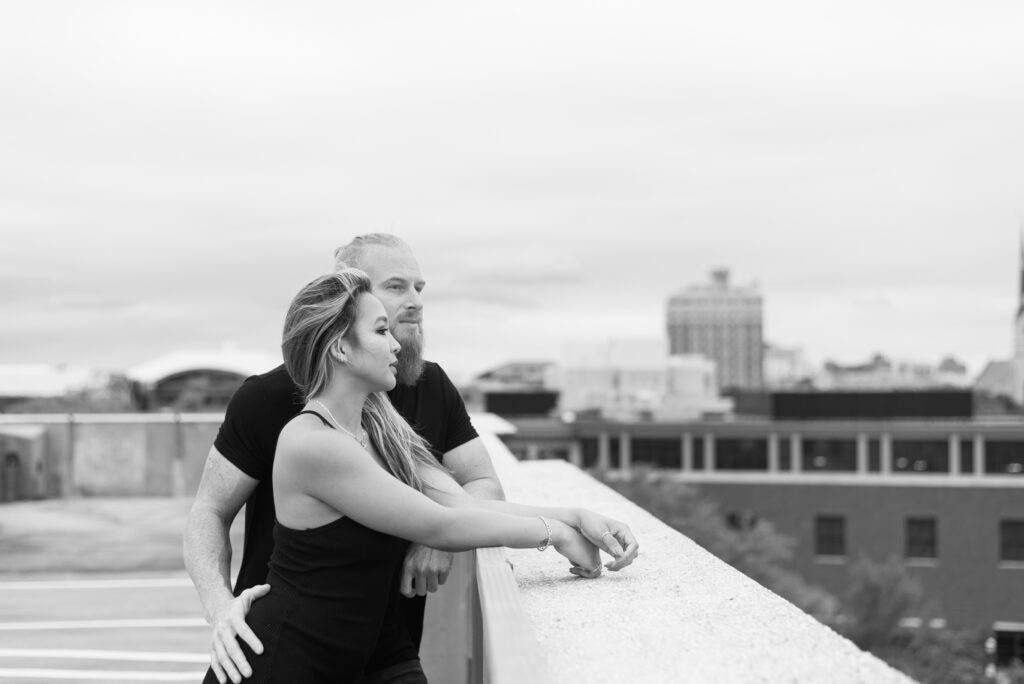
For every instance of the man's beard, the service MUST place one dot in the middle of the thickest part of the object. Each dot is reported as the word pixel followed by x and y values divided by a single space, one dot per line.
pixel 410 359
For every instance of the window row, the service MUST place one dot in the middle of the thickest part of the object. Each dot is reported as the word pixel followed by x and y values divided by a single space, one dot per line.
pixel 920 538
pixel 820 455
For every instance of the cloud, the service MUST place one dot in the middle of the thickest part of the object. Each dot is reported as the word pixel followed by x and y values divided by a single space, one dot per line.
pixel 174 173
pixel 874 300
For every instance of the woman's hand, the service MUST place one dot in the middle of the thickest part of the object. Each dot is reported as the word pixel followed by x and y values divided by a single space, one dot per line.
pixel 610 535
pixel 584 556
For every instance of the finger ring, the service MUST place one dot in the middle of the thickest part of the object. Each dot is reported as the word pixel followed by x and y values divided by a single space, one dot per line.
pixel 608 534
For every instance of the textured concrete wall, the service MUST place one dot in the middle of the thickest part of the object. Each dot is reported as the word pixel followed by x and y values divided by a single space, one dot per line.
pixel 678 614
pixel 151 459
pixel 121 455
pixel 58 459
pixel 196 440
pixel 109 459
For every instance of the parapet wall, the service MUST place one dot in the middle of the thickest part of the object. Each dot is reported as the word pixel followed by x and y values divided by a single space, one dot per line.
pixel 678 614
pixel 144 454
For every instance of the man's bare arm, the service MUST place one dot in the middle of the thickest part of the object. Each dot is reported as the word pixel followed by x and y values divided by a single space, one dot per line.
pixel 471 466
pixel 223 490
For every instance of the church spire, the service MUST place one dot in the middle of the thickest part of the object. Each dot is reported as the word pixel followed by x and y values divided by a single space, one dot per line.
pixel 1020 293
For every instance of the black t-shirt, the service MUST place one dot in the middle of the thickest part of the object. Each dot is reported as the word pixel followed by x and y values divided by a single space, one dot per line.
pixel 265 403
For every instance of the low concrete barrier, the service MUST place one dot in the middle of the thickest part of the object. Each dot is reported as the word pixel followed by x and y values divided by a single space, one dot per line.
pixel 122 454
pixel 678 614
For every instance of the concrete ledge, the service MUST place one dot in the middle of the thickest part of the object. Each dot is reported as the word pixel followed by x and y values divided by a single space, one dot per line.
pixel 678 614
pixel 509 648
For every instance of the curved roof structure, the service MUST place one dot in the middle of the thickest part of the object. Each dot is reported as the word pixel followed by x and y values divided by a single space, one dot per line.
pixel 228 359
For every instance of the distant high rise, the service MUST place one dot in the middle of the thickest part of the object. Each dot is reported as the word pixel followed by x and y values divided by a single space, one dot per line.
pixel 1005 378
pixel 724 323
pixel 1018 336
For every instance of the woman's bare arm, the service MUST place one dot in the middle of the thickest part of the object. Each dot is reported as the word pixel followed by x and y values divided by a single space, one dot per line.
pixel 610 535
pixel 335 470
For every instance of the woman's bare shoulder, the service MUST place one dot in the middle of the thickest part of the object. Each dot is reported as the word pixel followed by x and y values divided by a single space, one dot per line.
pixel 307 442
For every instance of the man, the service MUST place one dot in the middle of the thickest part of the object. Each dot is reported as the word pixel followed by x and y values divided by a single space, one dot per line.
pixel 238 468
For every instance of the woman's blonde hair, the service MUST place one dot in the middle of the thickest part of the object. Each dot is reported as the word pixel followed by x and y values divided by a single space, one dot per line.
pixel 320 314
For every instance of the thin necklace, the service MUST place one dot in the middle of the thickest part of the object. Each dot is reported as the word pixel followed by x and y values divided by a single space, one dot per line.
pixel 362 442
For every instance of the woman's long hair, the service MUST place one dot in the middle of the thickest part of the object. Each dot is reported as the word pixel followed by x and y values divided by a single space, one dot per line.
pixel 321 313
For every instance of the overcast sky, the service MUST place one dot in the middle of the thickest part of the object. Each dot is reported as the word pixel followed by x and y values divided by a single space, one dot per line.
pixel 171 173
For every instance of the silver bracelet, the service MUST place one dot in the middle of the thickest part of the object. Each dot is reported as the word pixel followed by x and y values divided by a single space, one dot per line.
pixel 547 542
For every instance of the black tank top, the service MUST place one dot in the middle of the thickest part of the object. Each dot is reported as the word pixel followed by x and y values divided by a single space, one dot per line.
pixel 313 562
pixel 342 580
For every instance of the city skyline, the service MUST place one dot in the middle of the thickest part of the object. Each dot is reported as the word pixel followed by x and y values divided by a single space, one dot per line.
pixel 654 327
pixel 175 173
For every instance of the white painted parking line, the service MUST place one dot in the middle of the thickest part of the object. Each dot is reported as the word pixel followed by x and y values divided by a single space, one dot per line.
pixel 126 583
pixel 104 624
pixel 83 654
pixel 101 675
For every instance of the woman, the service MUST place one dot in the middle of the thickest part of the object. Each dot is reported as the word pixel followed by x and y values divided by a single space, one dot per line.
pixel 353 484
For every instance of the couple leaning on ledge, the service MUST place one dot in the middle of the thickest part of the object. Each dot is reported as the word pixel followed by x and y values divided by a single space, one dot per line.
pixel 351 515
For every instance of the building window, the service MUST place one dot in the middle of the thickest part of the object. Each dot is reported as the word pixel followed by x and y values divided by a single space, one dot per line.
pixel 1004 457
pixel 829 535
pixel 659 453
pixel 829 455
pixel 589 452
pixel 967 456
pixel 874 455
pixel 785 453
pixel 920 456
pixel 922 538
pixel 614 453
pixel 1009 646
pixel 1011 540
pixel 741 454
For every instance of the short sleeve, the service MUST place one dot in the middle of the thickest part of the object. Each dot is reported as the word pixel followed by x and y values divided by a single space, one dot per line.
pixel 459 428
pixel 248 434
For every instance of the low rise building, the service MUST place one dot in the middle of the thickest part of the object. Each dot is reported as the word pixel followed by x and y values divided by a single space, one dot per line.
pixel 21 382
pixel 882 373
pixel 786 367
pixel 943 492
pixel 516 388
pixel 196 380
pixel 638 379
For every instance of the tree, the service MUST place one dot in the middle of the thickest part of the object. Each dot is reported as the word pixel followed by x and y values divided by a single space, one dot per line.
pixel 752 546
pixel 113 396
pixel 880 595
pixel 937 656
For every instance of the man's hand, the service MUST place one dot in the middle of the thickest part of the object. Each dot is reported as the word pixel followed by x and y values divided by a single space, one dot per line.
pixel 425 570
pixel 611 535
pixel 226 657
